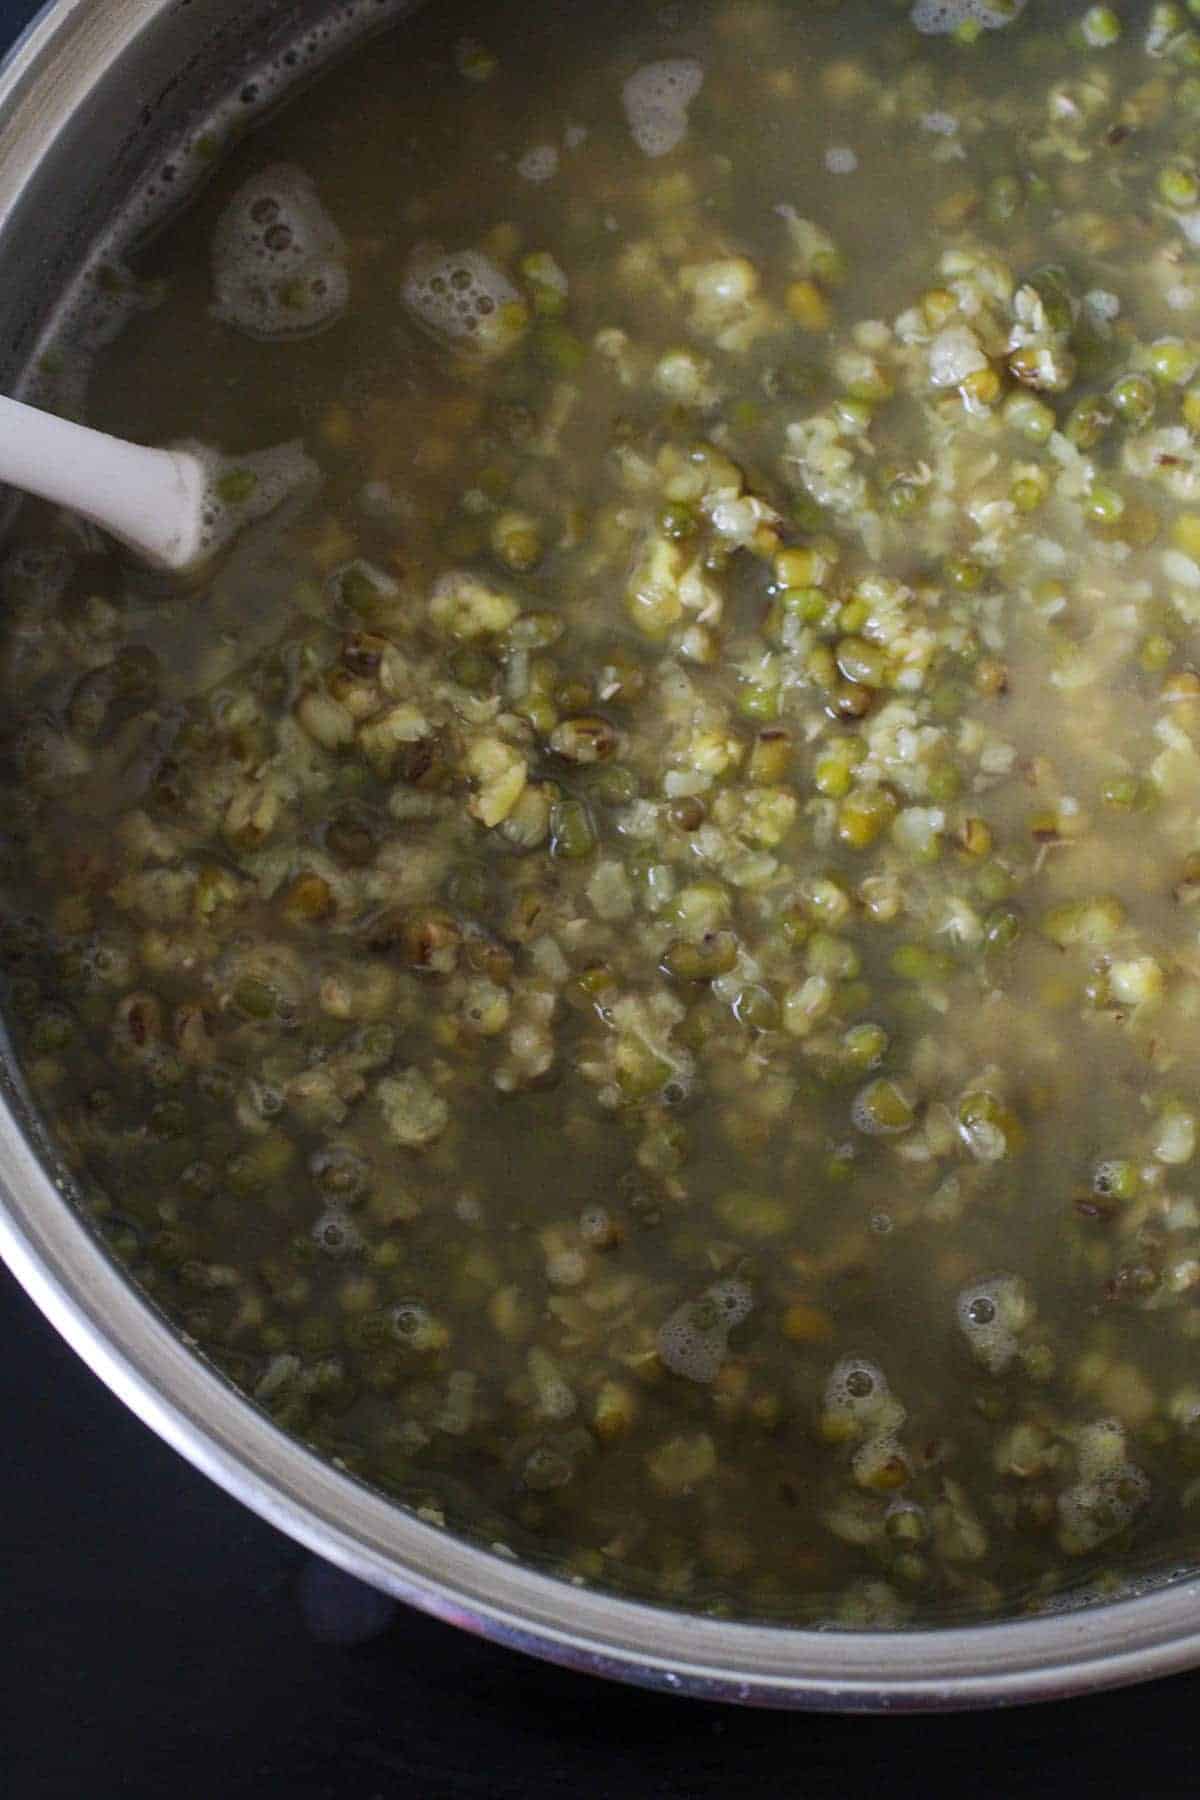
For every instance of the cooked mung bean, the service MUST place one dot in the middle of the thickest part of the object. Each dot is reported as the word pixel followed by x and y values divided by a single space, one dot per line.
pixel 630 970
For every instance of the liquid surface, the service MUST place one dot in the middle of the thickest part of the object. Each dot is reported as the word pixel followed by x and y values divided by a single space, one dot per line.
pixel 630 970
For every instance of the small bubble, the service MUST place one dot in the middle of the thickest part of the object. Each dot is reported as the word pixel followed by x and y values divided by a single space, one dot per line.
pixel 596 1226
pixel 336 1236
pixel 409 1319
pixel 981 1311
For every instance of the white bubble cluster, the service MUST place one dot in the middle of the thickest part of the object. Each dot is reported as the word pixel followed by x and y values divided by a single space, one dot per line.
pixel 694 1342
pixel 841 160
pixel 336 1235
pixel 860 1408
pixel 279 263
pixel 936 17
pixel 539 164
pixel 858 1392
pixel 1109 1493
pixel 656 99
pixel 879 1461
pixel 240 489
pixel 991 1316
pixel 458 295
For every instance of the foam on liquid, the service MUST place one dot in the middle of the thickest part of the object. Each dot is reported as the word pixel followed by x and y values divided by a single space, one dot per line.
pixel 694 1342
pixel 240 489
pixel 656 100
pixel 1109 1493
pixel 937 17
pixel 991 1316
pixel 278 259
pixel 458 295
pixel 858 1389
pixel 539 164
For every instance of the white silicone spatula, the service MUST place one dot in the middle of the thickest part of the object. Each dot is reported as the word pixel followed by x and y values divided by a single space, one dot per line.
pixel 173 508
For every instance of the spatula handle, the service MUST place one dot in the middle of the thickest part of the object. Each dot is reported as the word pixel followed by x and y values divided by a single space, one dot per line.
pixel 151 500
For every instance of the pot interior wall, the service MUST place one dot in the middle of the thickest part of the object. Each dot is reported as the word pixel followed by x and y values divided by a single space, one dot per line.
pixel 96 109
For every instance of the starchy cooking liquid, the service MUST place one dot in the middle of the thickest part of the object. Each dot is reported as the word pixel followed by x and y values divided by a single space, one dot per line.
pixel 630 970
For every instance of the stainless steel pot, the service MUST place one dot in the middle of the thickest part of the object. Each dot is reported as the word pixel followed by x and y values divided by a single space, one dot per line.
pixel 88 98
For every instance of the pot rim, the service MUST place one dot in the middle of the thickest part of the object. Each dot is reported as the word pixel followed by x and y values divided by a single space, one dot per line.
pixel 130 1346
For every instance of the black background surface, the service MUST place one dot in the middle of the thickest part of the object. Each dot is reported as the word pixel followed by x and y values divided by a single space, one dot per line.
pixel 158 1640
